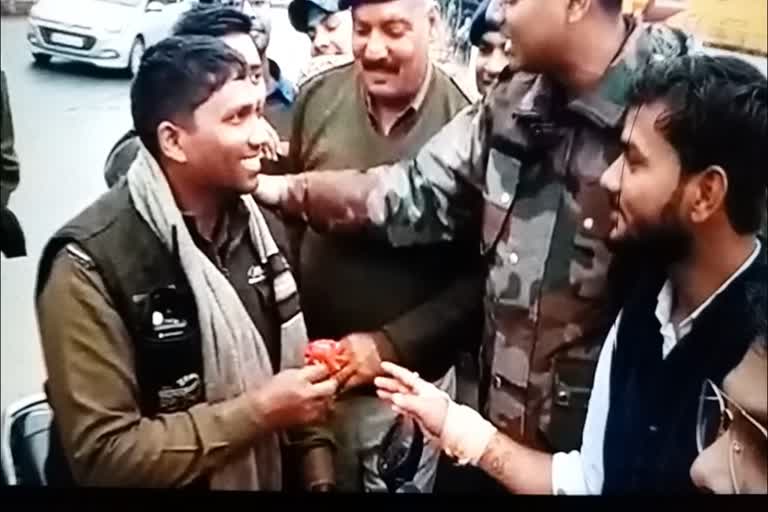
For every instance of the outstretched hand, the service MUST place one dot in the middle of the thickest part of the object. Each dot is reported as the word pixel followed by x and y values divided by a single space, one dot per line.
pixel 409 394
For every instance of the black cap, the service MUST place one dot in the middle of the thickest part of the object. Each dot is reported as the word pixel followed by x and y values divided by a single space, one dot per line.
pixel 298 11
pixel 479 24
pixel 344 4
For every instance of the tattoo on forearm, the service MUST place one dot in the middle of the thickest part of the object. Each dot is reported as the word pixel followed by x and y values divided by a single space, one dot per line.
pixel 516 467
pixel 498 460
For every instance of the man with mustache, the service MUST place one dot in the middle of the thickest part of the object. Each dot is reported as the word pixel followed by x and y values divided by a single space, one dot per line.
pixel 383 303
pixel 524 165
pixel 168 314
pixel 687 193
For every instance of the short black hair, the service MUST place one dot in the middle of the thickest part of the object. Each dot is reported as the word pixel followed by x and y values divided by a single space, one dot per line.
pixel 717 115
pixel 215 21
pixel 611 6
pixel 176 76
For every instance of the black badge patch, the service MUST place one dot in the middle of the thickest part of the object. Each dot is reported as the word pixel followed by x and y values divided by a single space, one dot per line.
pixel 187 392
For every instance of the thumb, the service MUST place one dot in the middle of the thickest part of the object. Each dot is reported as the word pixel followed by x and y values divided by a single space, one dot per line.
pixel 314 373
pixel 345 374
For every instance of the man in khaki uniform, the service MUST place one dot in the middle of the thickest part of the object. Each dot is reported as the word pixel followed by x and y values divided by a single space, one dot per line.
pixel 413 305
pixel 525 163
pixel 169 319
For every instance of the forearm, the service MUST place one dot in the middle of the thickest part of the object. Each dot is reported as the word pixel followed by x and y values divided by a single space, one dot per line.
pixel 424 200
pixel 329 201
pixel 421 337
pixel 169 450
pixel 472 439
pixel 520 469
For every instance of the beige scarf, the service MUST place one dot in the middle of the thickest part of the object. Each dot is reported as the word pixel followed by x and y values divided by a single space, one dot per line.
pixel 235 357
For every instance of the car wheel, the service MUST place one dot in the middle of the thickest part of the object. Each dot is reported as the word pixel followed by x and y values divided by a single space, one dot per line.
pixel 41 58
pixel 134 58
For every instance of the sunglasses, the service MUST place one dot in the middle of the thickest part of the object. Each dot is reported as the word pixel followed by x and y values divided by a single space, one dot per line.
pixel 717 412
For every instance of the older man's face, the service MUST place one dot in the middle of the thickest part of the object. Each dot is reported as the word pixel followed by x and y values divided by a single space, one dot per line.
pixel 390 43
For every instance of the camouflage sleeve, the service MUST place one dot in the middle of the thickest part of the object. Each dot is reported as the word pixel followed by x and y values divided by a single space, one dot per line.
pixel 428 199
pixel 435 195
pixel 455 313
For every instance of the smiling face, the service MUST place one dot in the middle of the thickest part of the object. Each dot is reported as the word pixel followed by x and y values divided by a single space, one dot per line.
pixel 492 58
pixel 331 34
pixel 223 144
pixel 649 195
pixel 390 43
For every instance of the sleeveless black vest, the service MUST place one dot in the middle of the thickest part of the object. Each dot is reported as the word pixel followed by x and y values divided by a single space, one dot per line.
pixel 143 279
pixel 650 437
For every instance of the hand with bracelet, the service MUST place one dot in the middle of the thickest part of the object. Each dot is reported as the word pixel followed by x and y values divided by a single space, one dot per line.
pixel 463 433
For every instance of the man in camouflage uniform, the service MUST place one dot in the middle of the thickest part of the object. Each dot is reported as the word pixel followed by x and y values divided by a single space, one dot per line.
pixel 526 162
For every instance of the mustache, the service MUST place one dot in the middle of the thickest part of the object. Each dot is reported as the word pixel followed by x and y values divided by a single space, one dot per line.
pixel 383 66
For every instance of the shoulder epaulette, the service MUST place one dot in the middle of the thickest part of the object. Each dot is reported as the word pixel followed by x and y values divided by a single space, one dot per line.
pixel 78 255
pixel 321 68
pixel 460 79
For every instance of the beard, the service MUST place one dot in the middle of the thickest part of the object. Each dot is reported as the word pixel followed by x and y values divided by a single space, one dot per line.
pixel 660 244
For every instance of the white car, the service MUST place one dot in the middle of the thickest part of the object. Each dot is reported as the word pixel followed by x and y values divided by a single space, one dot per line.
pixel 106 33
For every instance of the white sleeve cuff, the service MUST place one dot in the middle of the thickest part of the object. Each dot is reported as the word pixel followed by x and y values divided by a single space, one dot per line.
pixel 568 474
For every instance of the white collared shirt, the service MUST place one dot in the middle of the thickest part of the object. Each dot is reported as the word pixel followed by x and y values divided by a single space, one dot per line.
pixel 581 472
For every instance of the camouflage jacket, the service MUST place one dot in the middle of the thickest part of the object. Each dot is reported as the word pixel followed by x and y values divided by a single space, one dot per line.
pixel 524 164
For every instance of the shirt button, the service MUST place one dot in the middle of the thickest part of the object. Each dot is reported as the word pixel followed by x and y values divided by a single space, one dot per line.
pixel 653 428
pixel 505 198
pixel 588 223
pixel 497 382
pixel 514 258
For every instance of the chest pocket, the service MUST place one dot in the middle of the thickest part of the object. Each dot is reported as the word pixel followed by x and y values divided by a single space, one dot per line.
pixel 501 180
pixel 591 214
pixel 168 352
